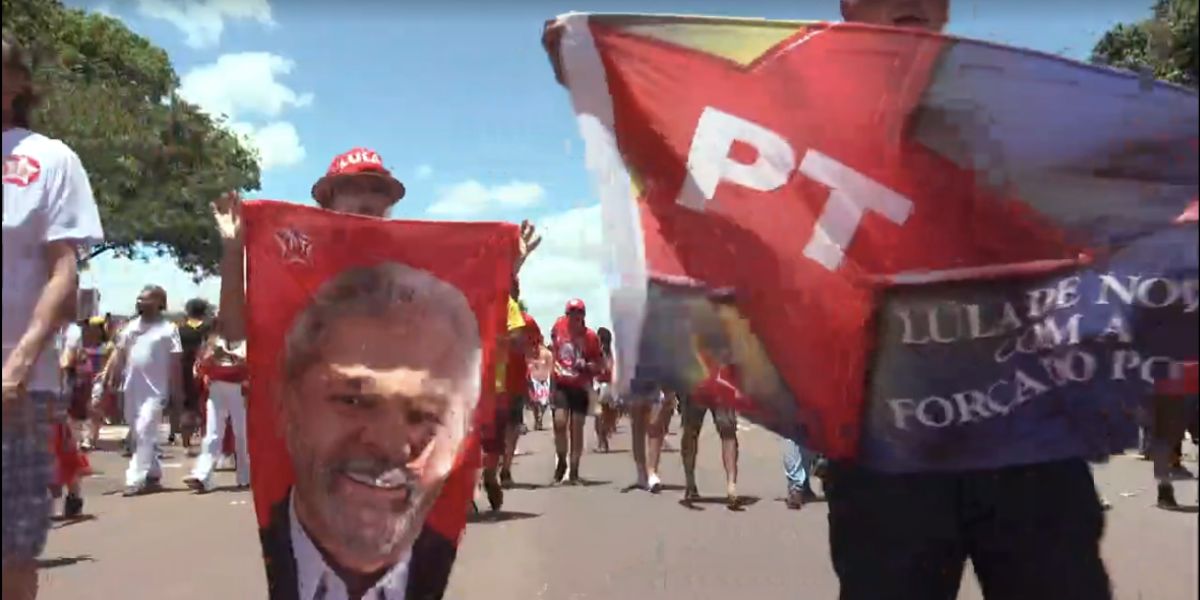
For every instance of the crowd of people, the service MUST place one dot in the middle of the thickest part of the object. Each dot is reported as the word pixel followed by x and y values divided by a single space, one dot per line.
pixel 194 373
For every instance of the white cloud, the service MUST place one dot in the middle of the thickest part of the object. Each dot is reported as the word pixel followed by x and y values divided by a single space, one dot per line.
pixel 568 264
pixel 243 83
pixel 278 143
pixel 423 172
pixel 203 21
pixel 247 84
pixel 469 198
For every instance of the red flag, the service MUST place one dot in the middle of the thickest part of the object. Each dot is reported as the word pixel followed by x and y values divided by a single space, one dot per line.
pixel 370 349
pixel 800 168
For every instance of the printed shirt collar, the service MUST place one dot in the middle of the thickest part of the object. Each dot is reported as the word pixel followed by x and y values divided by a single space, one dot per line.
pixel 316 581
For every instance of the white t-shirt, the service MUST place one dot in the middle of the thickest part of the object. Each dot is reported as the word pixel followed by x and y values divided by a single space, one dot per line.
pixel 47 198
pixel 152 348
pixel 72 338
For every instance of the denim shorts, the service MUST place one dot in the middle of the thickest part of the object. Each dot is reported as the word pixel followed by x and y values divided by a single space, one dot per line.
pixel 28 471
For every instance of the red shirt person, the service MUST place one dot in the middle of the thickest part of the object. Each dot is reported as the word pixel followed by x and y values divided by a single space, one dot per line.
pixel 577 361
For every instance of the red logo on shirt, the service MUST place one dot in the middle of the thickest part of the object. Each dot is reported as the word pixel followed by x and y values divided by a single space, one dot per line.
pixel 21 170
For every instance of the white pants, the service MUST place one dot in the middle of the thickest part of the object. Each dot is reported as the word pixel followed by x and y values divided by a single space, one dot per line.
pixel 147 416
pixel 224 400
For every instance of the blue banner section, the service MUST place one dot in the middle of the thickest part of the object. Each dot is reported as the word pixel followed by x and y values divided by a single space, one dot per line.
pixel 981 375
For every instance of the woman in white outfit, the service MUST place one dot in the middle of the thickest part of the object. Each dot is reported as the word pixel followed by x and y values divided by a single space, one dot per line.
pixel 222 365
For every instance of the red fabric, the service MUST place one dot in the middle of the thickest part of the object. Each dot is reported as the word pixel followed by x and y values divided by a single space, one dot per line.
pixel 754 241
pixel 1185 383
pixel 572 354
pixel 292 250
pixel 226 373
pixel 516 370
pixel 533 332
pixel 70 462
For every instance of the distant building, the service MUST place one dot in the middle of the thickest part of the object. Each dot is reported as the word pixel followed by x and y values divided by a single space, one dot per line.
pixel 87 303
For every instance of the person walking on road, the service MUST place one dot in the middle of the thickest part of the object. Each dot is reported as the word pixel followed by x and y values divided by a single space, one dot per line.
pixel 650 410
pixel 705 399
pixel 606 418
pixel 577 360
pixel 50 216
pixel 222 365
pixel 540 367
pixel 150 353
pixel 799 465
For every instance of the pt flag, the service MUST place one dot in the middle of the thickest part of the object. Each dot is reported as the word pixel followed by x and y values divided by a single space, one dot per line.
pixel 766 185
pixel 371 348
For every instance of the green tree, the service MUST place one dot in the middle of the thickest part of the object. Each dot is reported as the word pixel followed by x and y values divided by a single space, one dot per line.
pixel 154 160
pixel 1164 45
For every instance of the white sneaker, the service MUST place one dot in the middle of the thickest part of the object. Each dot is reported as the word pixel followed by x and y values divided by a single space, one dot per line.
pixel 198 485
pixel 642 482
pixel 654 484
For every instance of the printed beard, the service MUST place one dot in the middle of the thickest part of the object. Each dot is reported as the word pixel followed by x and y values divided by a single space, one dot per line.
pixel 374 510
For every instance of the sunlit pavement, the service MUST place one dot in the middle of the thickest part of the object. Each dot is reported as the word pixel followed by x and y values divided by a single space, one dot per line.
pixel 588 542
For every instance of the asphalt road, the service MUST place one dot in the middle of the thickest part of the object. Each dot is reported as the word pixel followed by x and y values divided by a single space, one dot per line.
pixel 562 543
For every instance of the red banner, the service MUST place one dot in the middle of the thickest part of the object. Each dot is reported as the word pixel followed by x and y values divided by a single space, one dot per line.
pixel 763 183
pixel 370 355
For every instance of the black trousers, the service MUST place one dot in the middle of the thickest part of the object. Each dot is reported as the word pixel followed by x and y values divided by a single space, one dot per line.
pixel 1031 532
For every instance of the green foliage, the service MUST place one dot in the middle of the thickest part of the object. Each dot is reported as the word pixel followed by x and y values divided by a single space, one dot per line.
pixel 1164 45
pixel 154 160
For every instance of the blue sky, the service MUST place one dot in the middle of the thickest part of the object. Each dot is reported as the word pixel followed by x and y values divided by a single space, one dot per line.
pixel 459 99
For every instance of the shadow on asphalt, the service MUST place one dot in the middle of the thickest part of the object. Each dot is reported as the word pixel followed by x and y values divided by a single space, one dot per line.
pixel 743 502
pixel 662 487
pixel 1183 509
pixel 611 451
pixel 61 522
pixel 165 490
pixel 524 486
pixel 817 500
pixel 64 561
pixel 499 516
pixel 231 489
pixel 583 483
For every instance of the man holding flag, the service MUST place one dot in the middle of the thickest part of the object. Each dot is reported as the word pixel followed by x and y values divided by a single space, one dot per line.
pixel 984 398
pixel 357 183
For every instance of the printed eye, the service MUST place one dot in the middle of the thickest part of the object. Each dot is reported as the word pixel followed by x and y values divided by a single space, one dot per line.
pixel 424 417
pixel 351 400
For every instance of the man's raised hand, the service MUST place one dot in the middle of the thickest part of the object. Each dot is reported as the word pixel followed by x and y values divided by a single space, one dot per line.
pixel 530 240
pixel 227 210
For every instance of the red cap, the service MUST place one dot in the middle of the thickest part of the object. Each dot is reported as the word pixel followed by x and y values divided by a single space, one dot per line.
pixel 359 161
pixel 532 330
pixel 576 304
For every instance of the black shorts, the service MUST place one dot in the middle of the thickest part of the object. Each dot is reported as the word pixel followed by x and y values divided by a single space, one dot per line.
pixel 574 399
pixel 1031 532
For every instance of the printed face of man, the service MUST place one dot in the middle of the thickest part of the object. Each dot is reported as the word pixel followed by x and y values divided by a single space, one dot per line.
pixel 373 427
pixel 921 14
